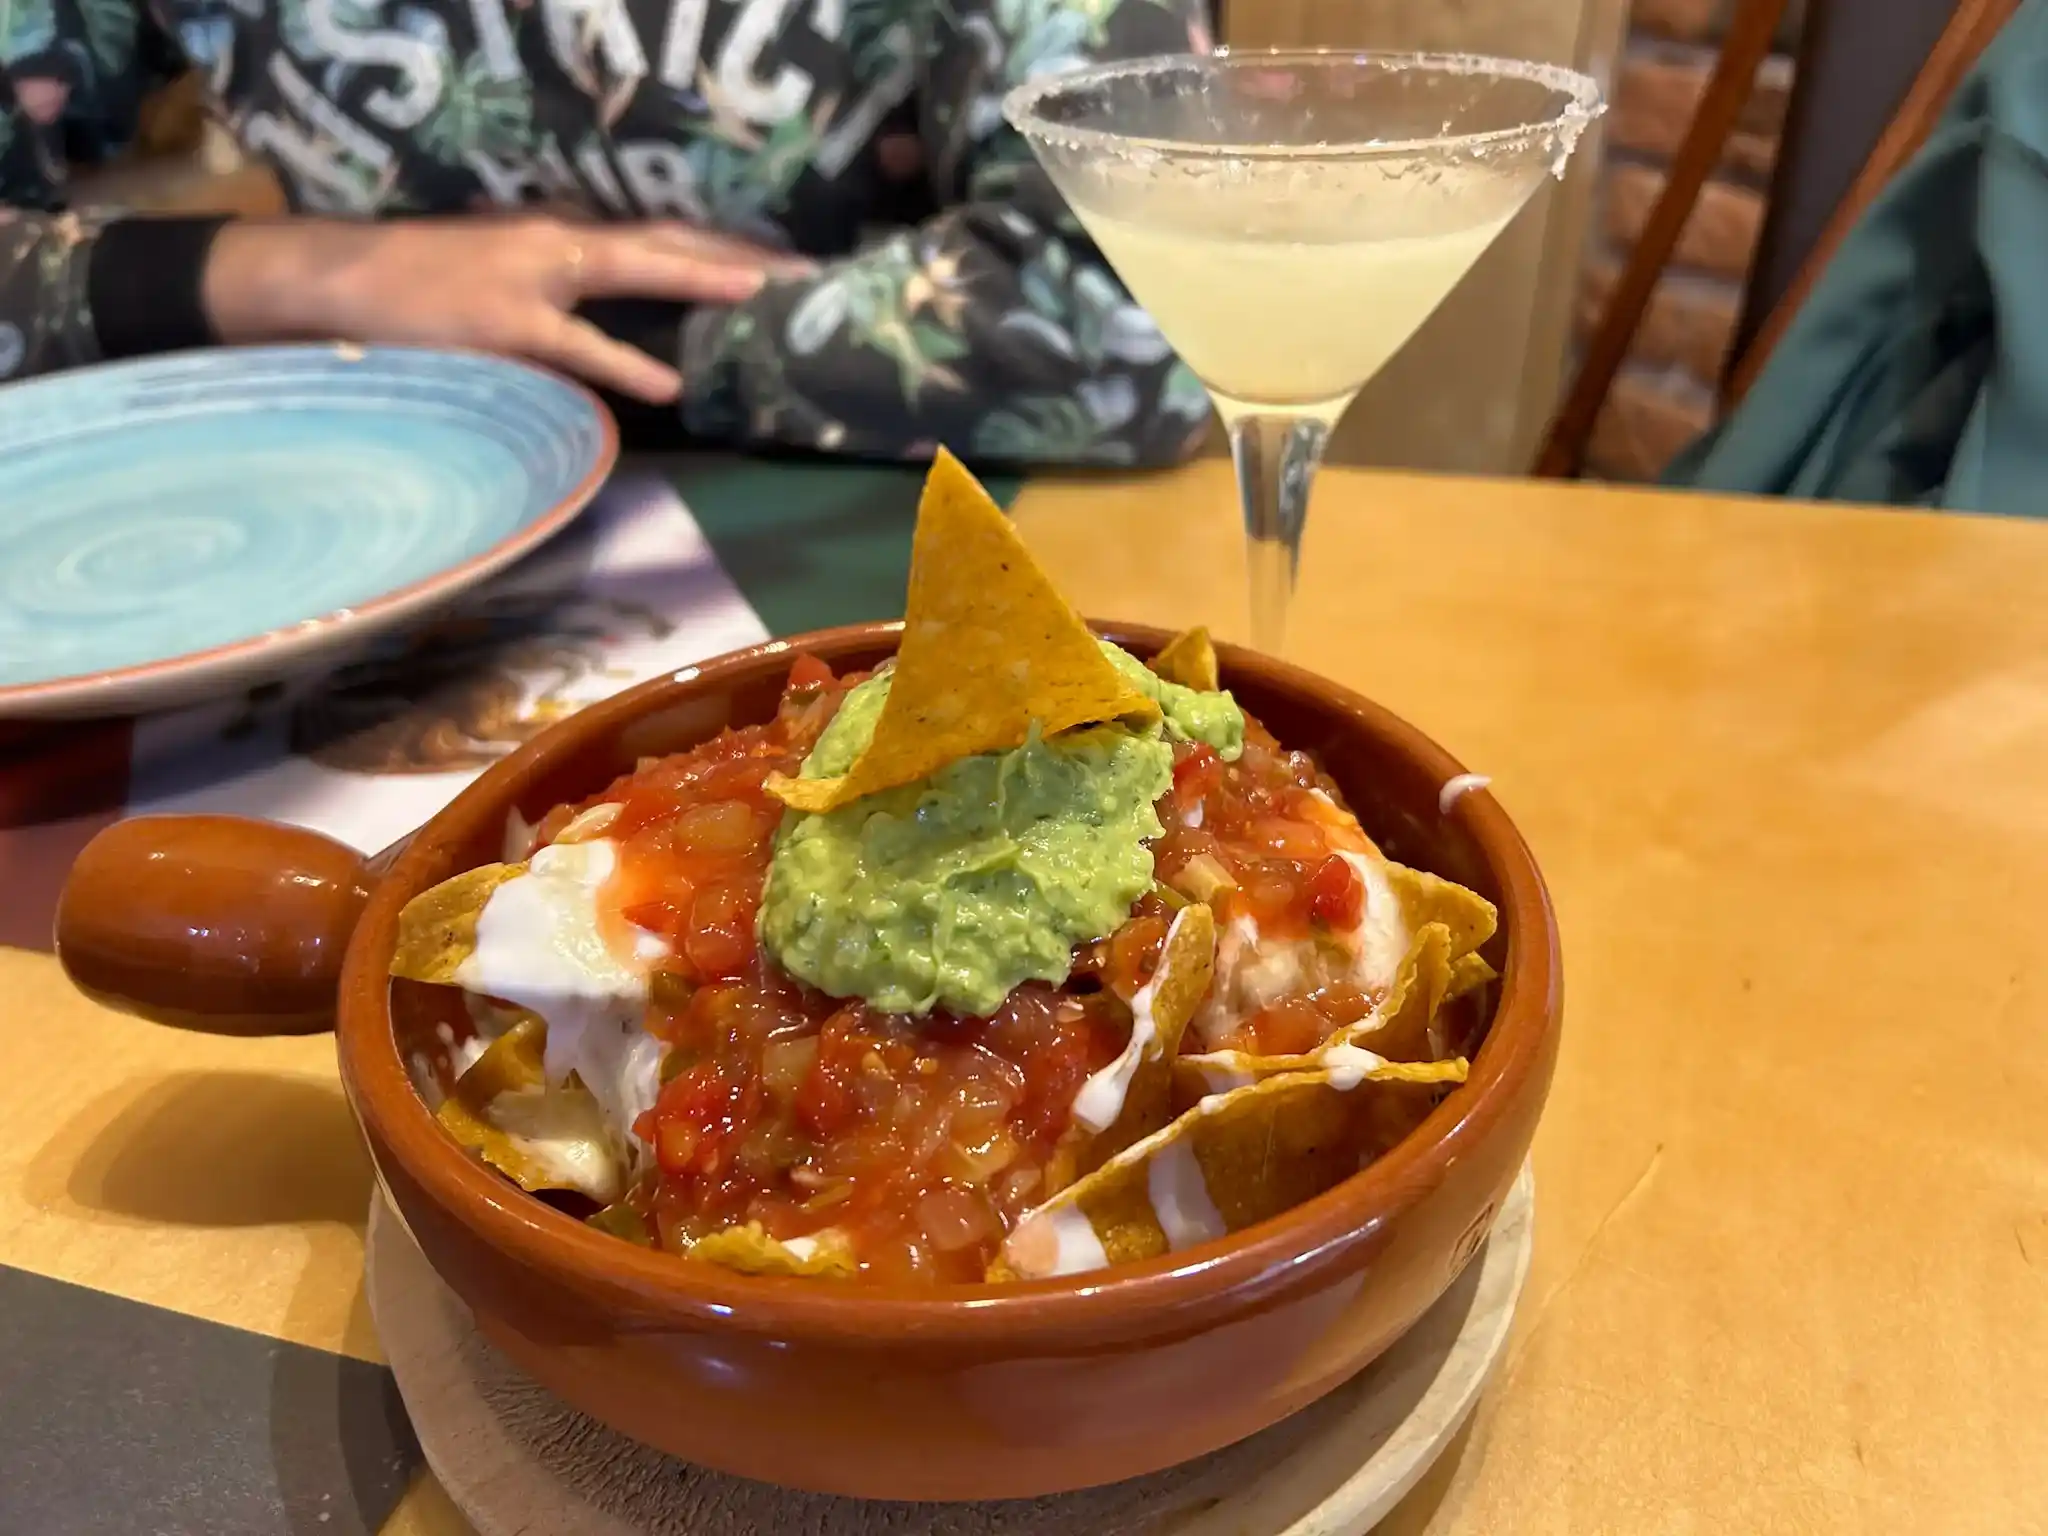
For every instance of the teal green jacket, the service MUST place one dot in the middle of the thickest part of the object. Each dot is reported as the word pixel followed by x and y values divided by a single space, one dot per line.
pixel 1916 374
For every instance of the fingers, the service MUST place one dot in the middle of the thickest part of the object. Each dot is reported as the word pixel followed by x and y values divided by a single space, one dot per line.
pixel 619 266
pixel 714 246
pixel 674 262
pixel 578 347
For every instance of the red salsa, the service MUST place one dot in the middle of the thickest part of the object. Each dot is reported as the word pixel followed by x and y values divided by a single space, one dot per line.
pixel 922 1140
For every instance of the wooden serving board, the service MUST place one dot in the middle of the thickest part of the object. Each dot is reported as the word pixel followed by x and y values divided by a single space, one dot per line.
pixel 518 1460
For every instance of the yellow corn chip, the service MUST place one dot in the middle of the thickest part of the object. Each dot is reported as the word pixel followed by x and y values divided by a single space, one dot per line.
pixel 1399 904
pixel 1393 1043
pixel 989 650
pixel 539 1136
pixel 1229 1163
pixel 437 929
pixel 510 1063
pixel 1468 918
pixel 1133 1096
pixel 750 1250
pixel 1468 974
pixel 1190 660
pixel 1419 897
pixel 1404 1027
pixel 1468 1006
pixel 1219 1072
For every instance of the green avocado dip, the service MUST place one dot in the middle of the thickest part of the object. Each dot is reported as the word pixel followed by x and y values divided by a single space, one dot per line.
pixel 952 892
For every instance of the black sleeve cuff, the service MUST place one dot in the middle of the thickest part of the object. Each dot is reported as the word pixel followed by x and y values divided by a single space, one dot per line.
pixel 144 284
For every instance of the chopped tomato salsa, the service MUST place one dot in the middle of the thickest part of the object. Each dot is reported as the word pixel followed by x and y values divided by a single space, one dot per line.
pixel 1263 840
pixel 922 1140
pixel 1260 820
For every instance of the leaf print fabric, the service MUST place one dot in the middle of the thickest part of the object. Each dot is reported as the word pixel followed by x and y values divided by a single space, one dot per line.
pixel 45 321
pixel 72 75
pixel 994 327
pixel 478 113
pixel 979 315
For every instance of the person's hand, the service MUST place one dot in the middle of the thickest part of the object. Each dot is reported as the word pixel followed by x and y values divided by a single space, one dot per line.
pixel 497 285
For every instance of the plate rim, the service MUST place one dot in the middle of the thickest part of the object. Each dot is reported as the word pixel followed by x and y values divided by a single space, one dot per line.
pixel 80 687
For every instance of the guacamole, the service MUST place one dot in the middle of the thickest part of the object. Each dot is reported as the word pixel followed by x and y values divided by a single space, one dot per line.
pixel 1211 718
pixel 950 893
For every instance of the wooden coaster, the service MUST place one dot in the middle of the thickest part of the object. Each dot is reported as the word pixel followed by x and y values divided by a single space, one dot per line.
pixel 516 1459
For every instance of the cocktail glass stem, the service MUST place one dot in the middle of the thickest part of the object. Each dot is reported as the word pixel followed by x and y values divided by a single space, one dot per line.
pixel 1276 458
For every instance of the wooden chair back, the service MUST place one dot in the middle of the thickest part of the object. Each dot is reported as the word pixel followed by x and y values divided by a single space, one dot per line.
pixel 1835 65
pixel 1848 48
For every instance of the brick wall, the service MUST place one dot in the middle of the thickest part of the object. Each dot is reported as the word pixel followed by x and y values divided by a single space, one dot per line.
pixel 1664 396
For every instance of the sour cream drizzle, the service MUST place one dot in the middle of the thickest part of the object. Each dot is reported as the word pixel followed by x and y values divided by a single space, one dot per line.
pixel 1076 1248
pixel 1220 1076
pixel 1253 971
pixel 1380 941
pixel 1349 1065
pixel 538 946
pixel 1180 1198
pixel 1101 1099
pixel 1456 788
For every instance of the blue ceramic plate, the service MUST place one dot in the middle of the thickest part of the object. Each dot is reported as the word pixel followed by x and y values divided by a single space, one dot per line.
pixel 179 526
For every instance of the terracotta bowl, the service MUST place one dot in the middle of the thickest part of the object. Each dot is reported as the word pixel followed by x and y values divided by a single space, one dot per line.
pixel 959 1393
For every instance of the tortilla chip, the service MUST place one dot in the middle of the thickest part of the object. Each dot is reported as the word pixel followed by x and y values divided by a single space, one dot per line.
pixel 1469 918
pixel 437 929
pixel 512 1062
pixel 1468 974
pixel 1106 1120
pixel 1190 660
pixel 1229 1163
pixel 540 1136
pixel 751 1251
pixel 1219 1072
pixel 1393 1043
pixel 1404 1026
pixel 989 651
pixel 1469 1004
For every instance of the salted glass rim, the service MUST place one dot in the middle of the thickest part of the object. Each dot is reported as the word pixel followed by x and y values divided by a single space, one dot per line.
pixel 1581 104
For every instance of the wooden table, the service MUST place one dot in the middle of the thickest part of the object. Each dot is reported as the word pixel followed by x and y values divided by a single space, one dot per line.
pixel 1783 767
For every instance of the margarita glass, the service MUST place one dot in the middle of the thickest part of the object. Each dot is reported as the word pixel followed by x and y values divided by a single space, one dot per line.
pixel 1290 219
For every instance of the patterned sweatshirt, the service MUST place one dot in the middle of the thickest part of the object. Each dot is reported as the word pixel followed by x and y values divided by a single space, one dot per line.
pixel 959 300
